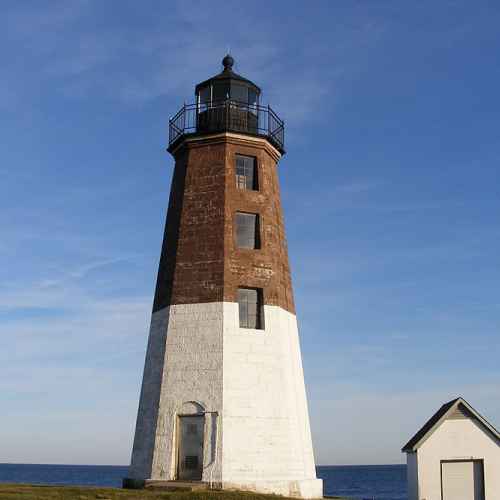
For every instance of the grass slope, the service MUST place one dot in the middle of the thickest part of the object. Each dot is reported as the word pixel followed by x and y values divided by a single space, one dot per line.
pixel 30 492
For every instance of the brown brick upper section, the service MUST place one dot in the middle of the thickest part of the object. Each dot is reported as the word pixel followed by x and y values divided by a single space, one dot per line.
pixel 200 261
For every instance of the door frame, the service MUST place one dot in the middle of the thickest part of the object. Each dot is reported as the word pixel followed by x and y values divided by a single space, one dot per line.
pixel 178 438
pixel 472 460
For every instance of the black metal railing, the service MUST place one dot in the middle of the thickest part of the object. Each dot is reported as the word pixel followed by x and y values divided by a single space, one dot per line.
pixel 230 116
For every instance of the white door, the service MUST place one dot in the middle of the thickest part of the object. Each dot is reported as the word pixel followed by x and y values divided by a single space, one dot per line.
pixel 458 481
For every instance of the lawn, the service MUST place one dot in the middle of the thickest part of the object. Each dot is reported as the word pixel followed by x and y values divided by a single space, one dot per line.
pixel 29 492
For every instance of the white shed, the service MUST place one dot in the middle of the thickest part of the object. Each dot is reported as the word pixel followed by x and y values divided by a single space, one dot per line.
pixel 454 456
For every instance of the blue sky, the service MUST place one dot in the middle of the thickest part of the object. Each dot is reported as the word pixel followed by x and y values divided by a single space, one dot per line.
pixel 390 190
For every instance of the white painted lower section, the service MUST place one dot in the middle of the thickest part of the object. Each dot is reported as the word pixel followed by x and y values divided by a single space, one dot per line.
pixel 185 355
pixel 257 433
pixel 266 423
pixel 460 439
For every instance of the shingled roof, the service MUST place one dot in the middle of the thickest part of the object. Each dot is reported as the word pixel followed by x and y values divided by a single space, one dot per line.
pixel 448 409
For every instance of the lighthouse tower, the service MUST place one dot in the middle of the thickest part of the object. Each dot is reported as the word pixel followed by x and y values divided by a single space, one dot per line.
pixel 223 400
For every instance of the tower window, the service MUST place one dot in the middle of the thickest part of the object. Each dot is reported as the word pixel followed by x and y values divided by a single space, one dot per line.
pixel 250 308
pixel 247 230
pixel 246 173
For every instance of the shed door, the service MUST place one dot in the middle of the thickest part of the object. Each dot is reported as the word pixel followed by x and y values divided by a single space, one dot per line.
pixel 190 461
pixel 462 480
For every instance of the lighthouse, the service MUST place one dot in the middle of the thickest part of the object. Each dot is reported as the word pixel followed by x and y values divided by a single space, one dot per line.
pixel 223 399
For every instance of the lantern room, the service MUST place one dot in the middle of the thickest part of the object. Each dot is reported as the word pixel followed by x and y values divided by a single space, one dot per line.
pixel 227 102
pixel 227 85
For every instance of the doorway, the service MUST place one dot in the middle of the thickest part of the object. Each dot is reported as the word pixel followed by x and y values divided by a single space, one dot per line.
pixel 190 449
pixel 462 480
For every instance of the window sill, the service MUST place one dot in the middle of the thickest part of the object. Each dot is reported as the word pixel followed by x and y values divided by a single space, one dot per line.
pixel 243 249
pixel 252 330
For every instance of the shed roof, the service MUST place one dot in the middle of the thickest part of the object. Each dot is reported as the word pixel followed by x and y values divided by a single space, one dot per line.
pixel 446 411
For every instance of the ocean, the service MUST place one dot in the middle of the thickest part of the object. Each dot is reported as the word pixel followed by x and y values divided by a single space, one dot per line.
pixel 363 482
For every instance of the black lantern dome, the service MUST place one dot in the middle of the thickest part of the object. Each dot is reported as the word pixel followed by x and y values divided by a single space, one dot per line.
pixel 227 85
pixel 227 102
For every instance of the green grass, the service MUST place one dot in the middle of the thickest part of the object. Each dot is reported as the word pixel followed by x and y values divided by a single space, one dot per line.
pixel 29 492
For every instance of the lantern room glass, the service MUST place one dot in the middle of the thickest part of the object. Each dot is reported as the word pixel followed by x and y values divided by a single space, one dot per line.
pixel 217 92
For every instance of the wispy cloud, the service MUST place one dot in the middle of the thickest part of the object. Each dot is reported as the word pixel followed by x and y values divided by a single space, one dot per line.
pixel 27 21
pixel 124 63
pixel 70 347
pixel 65 349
